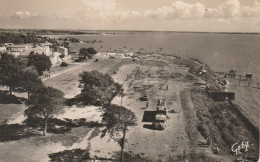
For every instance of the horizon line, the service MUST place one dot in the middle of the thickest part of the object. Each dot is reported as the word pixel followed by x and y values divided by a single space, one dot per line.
pixel 129 30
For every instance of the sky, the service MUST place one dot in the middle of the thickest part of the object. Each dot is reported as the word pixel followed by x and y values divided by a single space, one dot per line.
pixel 156 15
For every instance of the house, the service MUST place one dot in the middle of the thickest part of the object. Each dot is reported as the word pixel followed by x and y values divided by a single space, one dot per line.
pixel 8 44
pixel 55 58
pixel 46 44
pixel 72 51
pixel 42 50
pixel 17 50
pixel 249 76
pixel 120 55
pixel 234 71
pixel 111 55
pixel 63 51
pixel 2 49
pixel 129 54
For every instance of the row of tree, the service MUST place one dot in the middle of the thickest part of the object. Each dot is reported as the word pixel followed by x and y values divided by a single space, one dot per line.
pixel 18 38
pixel 16 75
pixel 42 101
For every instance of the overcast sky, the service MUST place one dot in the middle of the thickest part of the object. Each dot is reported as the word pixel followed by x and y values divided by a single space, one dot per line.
pixel 170 15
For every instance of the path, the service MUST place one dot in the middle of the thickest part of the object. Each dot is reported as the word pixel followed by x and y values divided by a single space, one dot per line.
pixel 154 144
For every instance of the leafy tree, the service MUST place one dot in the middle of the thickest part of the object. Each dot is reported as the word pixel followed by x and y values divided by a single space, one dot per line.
pixel 98 88
pixel 117 120
pixel 87 52
pixel 41 62
pixel 45 102
pixel 10 70
pixel 95 78
pixel 30 82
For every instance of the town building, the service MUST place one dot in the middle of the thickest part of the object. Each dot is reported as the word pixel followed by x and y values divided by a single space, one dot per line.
pixel 45 50
pixel 18 50
pixel 63 51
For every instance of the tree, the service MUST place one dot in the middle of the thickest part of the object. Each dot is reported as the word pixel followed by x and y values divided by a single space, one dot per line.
pixel 40 61
pixel 45 102
pixel 98 88
pixel 30 82
pixel 117 119
pixel 10 70
pixel 87 52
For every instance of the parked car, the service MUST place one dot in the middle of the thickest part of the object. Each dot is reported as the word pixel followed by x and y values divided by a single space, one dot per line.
pixel 64 64
pixel 144 98
pixel 78 60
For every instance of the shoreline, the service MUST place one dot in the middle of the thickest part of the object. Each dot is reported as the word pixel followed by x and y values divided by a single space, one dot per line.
pixel 146 31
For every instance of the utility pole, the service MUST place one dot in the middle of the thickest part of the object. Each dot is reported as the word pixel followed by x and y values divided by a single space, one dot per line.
pixel 239 79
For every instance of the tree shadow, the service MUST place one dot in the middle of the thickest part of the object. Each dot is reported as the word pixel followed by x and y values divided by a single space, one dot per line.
pixel 14 132
pixel 75 155
pixel 72 101
pixel 59 126
pixel 34 127
pixel 6 98
pixel 149 126
pixel 84 155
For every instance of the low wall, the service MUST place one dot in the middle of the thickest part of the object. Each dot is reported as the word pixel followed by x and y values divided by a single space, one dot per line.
pixel 253 127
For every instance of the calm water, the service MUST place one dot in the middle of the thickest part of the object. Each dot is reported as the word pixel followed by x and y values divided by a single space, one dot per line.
pixel 221 52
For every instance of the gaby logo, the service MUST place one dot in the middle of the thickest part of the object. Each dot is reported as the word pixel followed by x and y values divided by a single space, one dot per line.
pixel 240 148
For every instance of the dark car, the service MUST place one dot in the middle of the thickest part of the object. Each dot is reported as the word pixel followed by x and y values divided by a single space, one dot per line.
pixel 78 60
pixel 64 64
pixel 144 98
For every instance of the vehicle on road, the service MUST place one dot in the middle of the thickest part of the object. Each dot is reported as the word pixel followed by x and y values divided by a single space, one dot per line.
pixel 161 115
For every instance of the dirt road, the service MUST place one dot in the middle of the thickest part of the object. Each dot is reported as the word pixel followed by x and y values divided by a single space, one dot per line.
pixel 171 143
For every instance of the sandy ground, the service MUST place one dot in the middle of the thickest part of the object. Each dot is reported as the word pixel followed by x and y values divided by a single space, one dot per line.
pixel 90 113
pixel 142 139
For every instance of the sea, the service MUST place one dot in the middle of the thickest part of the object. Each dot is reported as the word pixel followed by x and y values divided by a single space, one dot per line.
pixel 220 51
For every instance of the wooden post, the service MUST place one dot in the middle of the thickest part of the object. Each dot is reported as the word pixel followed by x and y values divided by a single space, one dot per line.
pixel 239 79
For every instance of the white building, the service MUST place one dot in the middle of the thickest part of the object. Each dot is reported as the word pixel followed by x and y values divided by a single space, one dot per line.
pixel 129 54
pixel 63 51
pixel 55 58
pixel 2 49
pixel 120 55
pixel 45 50
pixel 17 50
pixel 111 55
